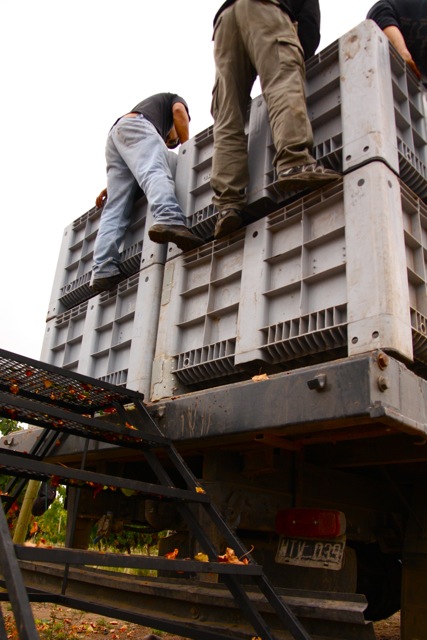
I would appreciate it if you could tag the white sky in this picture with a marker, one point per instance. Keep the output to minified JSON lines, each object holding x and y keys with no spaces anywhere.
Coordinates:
{"x":69,"y":69}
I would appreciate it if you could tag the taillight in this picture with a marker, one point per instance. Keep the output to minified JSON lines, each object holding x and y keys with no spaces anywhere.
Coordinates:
{"x":310,"y":523}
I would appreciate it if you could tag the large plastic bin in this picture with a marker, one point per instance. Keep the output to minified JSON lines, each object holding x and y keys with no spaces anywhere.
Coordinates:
{"x":112,"y":336}
{"x":339,"y":272}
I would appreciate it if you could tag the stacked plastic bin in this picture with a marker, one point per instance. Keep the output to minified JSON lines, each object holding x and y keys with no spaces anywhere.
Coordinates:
{"x":337,"y":272}
{"x":104,"y":335}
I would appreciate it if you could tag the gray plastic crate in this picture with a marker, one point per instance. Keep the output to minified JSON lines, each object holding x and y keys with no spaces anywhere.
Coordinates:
{"x":112,"y":336}
{"x":331,"y":276}
{"x":384,"y":111}
{"x":364,"y":105}
{"x":415,"y":232}
{"x":74,"y":268}
{"x":199,"y":314}
{"x":193,"y":172}
{"x":339,"y":272}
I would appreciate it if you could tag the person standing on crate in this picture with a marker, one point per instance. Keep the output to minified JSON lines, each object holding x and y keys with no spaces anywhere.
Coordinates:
{"x":405,"y":24}
{"x":137,"y":158}
{"x":271,"y":39}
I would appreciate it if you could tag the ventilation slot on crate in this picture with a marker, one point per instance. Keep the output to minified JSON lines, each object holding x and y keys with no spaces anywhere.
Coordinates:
{"x":419,"y":335}
{"x":118,"y":378}
{"x":131,"y":259}
{"x":202,"y":223}
{"x":412,"y":171}
{"x":206,"y":363}
{"x":76,"y":291}
{"x":307,"y":336}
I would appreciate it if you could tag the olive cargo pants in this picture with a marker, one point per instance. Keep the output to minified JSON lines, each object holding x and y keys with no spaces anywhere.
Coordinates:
{"x":255,"y":37}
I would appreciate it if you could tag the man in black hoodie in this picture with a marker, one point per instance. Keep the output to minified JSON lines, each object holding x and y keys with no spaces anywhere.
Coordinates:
{"x":405,"y":24}
{"x":269,"y":38}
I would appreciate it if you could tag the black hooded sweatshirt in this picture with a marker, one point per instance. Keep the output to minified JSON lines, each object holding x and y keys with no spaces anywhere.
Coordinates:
{"x":410,"y":17}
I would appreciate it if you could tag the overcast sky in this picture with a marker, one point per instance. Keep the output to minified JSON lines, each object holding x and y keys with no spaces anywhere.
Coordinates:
{"x":69,"y":69}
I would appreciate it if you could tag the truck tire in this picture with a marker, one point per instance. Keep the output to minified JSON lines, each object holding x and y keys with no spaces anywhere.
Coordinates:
{"x":379,"y":578}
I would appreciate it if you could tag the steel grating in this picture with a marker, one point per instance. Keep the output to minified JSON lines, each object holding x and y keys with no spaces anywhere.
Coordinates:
{"x":54,"y":385}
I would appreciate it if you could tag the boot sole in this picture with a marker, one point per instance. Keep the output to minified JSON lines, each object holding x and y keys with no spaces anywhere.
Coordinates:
{"x":311,"y":182}
{"x":105,"y":284}
{"x":183,"y":242}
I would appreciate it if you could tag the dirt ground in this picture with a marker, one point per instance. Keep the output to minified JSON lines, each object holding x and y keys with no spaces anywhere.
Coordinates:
{"x":388,"y":629}
{"x":59,"y":623}
{"x":54,"y":622}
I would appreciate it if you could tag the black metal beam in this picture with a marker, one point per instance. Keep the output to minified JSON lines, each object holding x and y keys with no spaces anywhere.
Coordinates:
{"x":329,"y":615}
{"x":82,"y":557}
{"x":35,"y":412}
{"x":16,"y":464}
{"x":15,"y":584}
{"x":35,"y":378}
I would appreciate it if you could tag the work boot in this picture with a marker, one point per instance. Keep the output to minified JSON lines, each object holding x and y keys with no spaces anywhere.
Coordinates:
{"x":228,"y":220}
{"x":103,"y":284}
{"x":309,"y":176}
{"x":176,"y":233}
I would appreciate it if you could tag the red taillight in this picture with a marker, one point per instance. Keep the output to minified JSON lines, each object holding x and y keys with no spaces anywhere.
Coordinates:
{"x":310,"y":523}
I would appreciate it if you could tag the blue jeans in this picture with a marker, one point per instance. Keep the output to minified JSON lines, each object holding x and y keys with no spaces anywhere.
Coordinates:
{"x":136,"y":156}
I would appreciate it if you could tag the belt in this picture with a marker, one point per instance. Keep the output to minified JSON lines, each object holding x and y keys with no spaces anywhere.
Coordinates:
{"x":132,"y":114}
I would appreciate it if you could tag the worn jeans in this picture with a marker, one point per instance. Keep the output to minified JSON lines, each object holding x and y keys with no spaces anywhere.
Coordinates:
{"x":256,"y":38}
{"x":136,"y":156}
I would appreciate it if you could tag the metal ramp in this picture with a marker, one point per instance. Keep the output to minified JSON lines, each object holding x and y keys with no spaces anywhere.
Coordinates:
{"x":67,"y":403}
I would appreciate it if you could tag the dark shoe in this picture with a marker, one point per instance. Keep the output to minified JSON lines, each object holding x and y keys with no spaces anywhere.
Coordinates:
{"x":308,"y":176}
{"x":103,"y":284}
{"x":228,"y":220}
{"x":176,"y":233}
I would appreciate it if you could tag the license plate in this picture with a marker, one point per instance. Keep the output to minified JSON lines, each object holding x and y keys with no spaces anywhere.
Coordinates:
{"x":320,"y":554}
